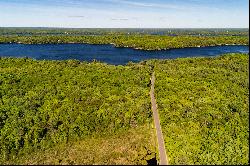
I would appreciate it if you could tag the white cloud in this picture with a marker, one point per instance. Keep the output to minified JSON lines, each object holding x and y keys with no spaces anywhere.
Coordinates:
{"x":76,"y":16}
{"x":165,"y":5}
{"x":143,"y":4}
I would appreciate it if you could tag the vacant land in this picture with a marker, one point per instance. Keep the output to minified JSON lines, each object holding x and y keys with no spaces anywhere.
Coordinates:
{"x":71,"y":112}
{"x":135,"y":146}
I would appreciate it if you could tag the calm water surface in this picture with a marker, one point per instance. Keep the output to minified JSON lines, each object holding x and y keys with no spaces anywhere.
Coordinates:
{"x":109,"y":53}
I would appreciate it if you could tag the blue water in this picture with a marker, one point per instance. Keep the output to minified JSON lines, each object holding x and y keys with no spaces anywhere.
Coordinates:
{"x":109,"y":53}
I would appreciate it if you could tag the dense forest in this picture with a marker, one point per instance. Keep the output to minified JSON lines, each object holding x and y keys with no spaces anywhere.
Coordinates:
{"x":203,"y":106}
{"x":46,"y":103}
{"x":53,"y":111}
{"x":144,"y":42}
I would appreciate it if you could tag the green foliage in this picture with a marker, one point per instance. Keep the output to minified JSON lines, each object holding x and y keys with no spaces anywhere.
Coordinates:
{"x":43,"y":103}
{"x":203,"y":104}
{"x":132,"y":147}
{"x":144,"y":42}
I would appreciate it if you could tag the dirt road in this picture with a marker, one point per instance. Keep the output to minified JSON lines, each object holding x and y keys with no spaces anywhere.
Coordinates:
{"x":160,"y":139}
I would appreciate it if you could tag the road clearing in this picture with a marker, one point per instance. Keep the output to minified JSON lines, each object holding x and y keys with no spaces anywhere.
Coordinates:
{"x":160,"y":139}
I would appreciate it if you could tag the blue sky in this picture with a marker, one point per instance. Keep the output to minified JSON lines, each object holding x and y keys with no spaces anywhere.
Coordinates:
{"x":125,"y":13}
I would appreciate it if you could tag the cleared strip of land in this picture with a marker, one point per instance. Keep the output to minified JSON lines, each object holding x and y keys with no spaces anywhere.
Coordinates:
{"x":160,"y":139}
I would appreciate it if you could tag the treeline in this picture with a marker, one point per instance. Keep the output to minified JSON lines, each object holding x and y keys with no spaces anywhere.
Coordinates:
{"x":25,"y":31}
{"x":204,"y":109}
{"x":44,"y":103}
{"x":144,"y":42}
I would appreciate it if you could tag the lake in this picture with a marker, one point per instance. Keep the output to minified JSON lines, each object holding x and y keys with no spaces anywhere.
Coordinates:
{"x":109,"y":53}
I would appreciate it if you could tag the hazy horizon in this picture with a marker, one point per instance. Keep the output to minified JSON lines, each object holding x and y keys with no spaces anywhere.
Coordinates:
{"x":117,"y":28}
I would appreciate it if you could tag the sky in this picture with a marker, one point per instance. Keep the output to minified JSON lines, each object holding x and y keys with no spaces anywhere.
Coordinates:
{"x":125,"y":13}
